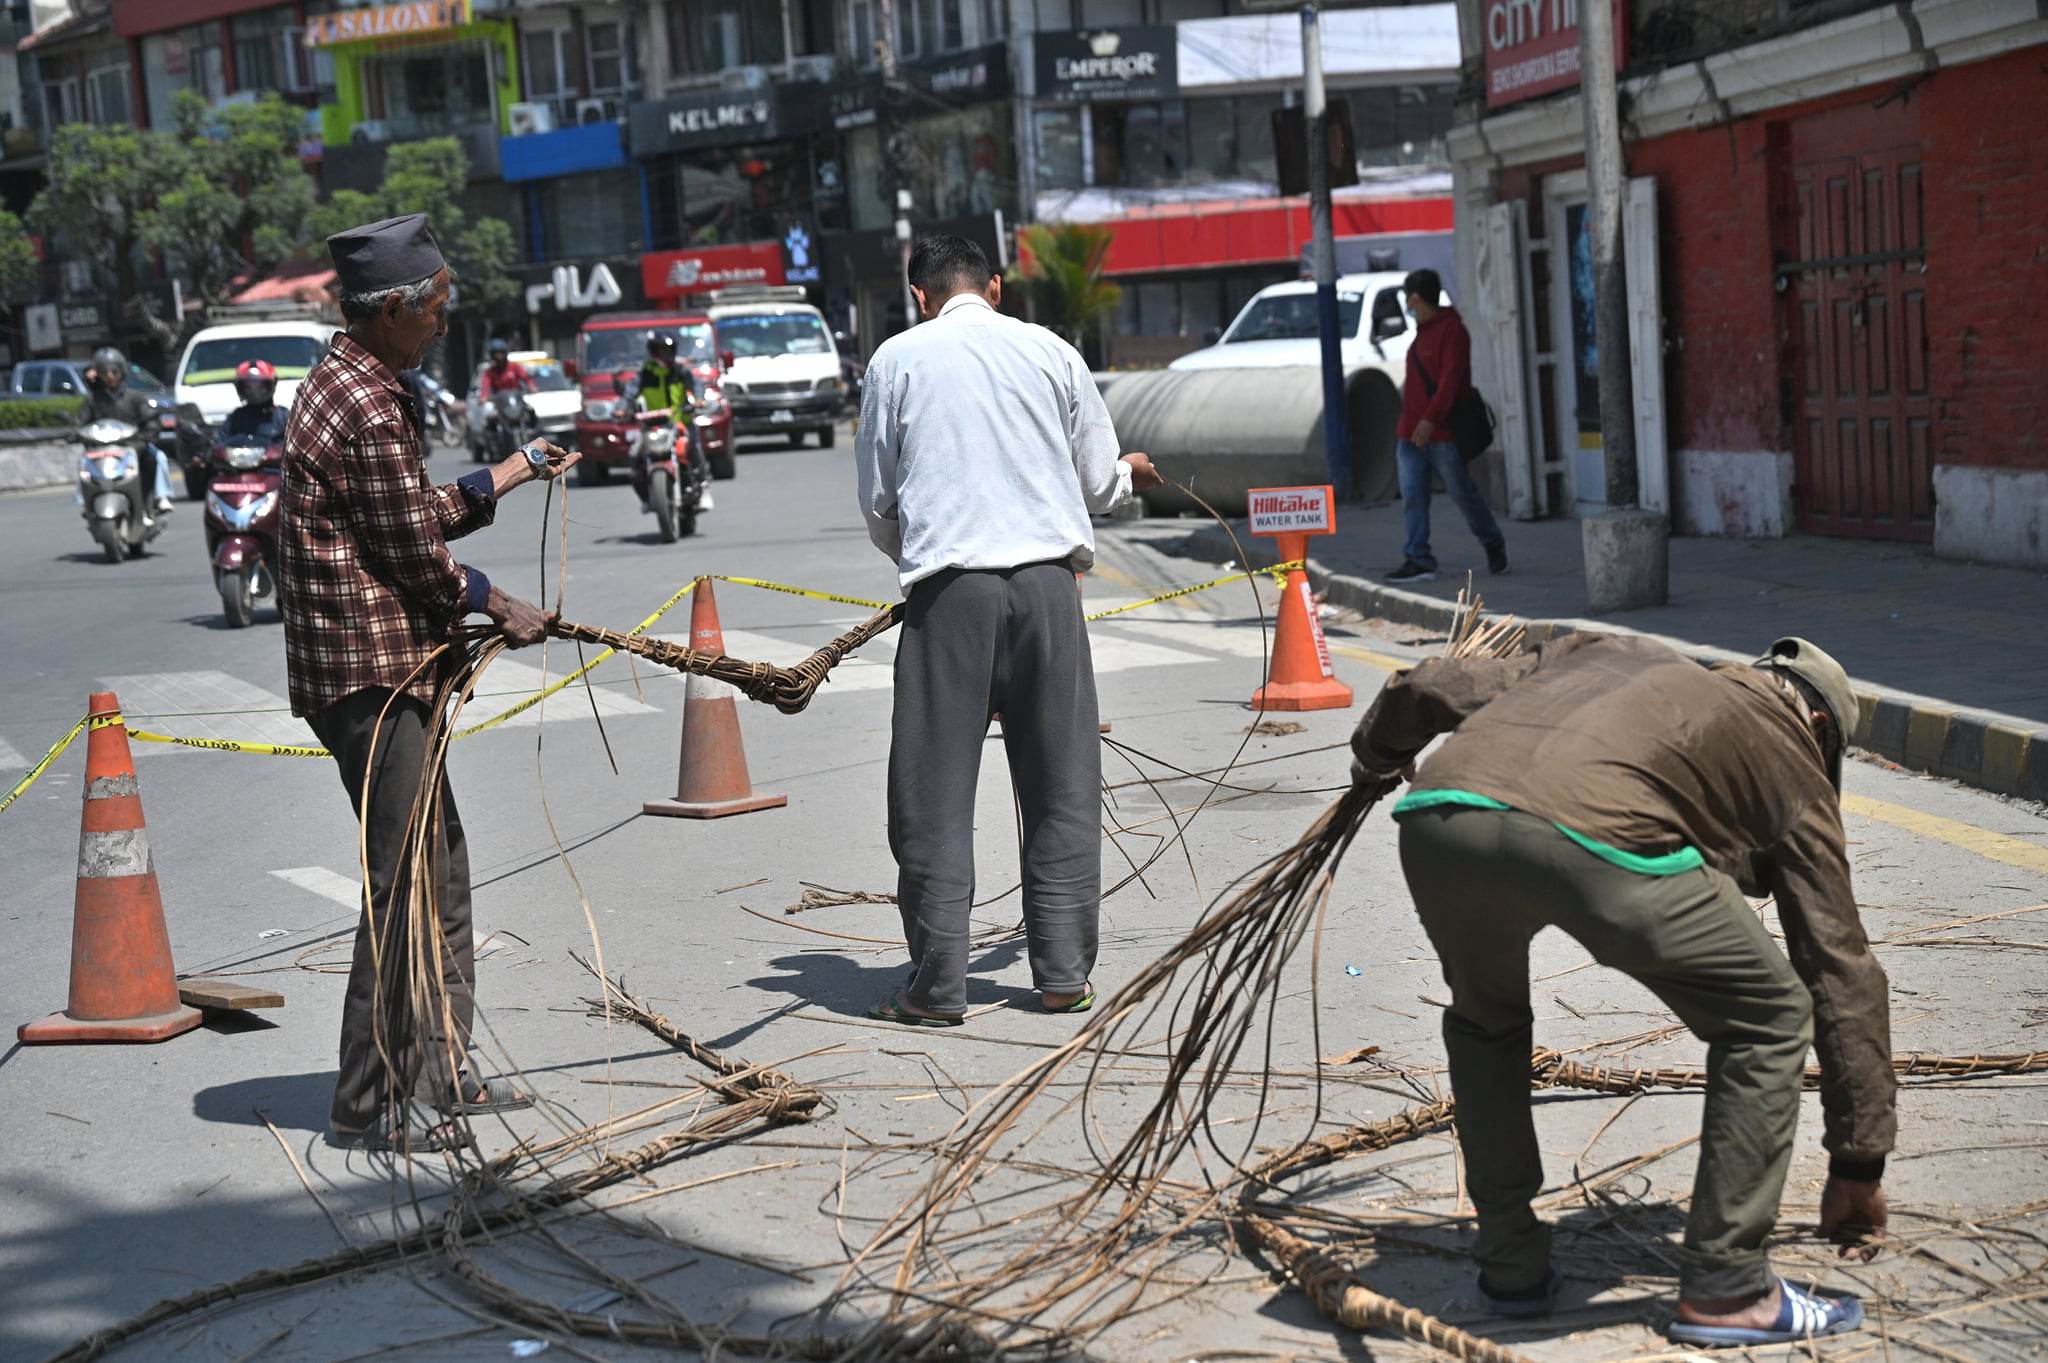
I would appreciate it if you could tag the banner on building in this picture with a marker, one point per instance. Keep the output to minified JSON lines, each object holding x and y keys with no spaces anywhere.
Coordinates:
{"x":714,"y":119}
{"x":40,"y":321}
{"x":1532,"y":47}
{"x":385,"y":21}
{"x":677,"y":274}
{"x":1107,"y":64}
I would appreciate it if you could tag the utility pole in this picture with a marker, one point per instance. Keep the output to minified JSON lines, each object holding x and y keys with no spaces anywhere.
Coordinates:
{"x":885,"y":53}
{"x":1627,"y":550}
{"x":1603,"y":220}
{"x":1336,"y":435}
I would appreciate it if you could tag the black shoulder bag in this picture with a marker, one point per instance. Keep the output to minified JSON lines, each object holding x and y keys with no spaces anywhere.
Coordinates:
{"x":1470,"y":420}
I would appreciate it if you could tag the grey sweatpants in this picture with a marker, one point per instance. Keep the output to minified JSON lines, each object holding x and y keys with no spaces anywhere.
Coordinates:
{"x":1487,"y":881}
{"x":975,"y":642}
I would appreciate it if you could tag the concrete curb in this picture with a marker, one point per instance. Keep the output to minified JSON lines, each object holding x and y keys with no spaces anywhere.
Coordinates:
{"x":1998,"y":753}
{"x":31,"y":466}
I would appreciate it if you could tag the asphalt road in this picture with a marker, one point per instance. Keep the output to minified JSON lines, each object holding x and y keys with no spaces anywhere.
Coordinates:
{"x":132,"y":1173}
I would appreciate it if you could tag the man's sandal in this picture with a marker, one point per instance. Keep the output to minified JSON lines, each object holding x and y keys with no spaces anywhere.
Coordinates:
{"x":479,"y":1097}
{"x":1079,"y":1005}
{"x":1801,"y":1315}
{"x":891,"y":1009}
{"x":407,"y":1131}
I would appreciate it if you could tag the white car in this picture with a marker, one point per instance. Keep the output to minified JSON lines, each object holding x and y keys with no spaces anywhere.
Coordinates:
{"x":554,"y":399}
{"x":206,"y":371}
{"x":781,"y":365}
{"x":1278,"y":328}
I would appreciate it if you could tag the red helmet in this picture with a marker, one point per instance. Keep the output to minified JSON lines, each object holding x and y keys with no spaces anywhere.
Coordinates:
{"x":256,"y":382}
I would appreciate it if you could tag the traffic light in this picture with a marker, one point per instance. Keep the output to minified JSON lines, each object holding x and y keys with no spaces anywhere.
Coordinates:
{"x":1290,"y":146}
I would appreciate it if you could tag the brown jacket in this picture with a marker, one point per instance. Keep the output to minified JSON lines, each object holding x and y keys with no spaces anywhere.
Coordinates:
{"x":1634,"y":745}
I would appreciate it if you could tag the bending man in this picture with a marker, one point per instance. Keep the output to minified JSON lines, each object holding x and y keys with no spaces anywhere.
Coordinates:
{"x":1609,"y":787}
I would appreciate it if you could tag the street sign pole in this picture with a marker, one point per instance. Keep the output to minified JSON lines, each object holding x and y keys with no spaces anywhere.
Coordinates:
{"x":1336,"y":436}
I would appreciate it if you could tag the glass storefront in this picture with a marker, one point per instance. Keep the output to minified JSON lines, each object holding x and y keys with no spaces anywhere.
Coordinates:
{"x":430,"y":92}
{"x":592,"y":214}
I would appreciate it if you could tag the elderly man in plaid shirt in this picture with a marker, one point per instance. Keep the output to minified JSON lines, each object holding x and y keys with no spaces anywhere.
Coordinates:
{"x":370,"y":592}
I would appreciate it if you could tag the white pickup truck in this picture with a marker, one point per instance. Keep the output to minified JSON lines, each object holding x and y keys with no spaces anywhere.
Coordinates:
{"x":1278,"y":328}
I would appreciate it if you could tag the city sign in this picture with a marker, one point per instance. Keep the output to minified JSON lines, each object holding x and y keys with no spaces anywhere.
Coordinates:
{"x":385,"y":21}
{"x":1532,"y":47}
{"x":567,"y":288}
{"x":676,"y":274}
{"x":719,"y":118}
{"x":1107,"y":64}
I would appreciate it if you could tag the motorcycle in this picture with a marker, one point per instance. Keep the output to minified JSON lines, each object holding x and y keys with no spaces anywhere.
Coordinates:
{"x":447,"y":417}
{"x":509,"y":422}
{"x":666,"y":477}
{"x":242,"y":516}
{"x":119,"y":511}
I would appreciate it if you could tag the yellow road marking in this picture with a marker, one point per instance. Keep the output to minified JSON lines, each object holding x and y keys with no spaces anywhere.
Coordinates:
{"x":1985,"y":843}
{"x":1382,"y":661}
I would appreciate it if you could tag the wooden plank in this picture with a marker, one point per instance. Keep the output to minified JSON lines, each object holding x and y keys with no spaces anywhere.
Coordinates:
{"x":227,"y":994}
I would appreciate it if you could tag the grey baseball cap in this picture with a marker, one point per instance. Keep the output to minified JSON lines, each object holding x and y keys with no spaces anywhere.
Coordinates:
{"x":1812,"y":665}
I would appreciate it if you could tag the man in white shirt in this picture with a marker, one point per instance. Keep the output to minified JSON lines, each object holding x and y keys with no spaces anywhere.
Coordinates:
{"x":984,"y":448}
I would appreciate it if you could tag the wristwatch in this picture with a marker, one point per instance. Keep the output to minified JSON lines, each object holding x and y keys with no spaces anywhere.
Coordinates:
{"x":536,"y":458}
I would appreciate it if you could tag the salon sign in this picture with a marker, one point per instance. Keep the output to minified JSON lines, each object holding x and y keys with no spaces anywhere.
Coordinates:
{"x":385,"y":21}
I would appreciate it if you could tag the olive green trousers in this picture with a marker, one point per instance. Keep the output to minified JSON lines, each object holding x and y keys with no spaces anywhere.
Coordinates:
{"x":1485,"y":882}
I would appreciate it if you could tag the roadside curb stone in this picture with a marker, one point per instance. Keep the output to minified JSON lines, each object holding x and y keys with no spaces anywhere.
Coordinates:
{"x":1990,"y":752}
{"x":32,"y":466}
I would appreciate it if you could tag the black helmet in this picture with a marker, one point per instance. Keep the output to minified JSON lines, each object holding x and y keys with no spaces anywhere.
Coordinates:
{"x":111,"y":366}
{"x":499,"y":348}
{"x":661,"y":345}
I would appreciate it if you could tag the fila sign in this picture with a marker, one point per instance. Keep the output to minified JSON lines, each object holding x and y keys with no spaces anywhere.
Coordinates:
{"x":567,"y":289}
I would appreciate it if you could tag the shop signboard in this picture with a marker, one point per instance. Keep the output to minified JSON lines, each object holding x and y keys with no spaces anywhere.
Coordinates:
{"x":800,"y":254}
{"x":44,"y":334}
{"x":714,"y":119}
{"x":961,"y":77}
{"x":77,"y":317}
{"x":677,"y":274}
{"x":571,"y":288}
{"x":923,"y":88}
{"x":1532,"y":47}
{"x":385,"y":21}
{"x":1107,"y":64}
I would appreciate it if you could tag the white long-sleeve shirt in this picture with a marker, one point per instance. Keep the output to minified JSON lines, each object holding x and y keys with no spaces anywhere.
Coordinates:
{"x":983,"y":444}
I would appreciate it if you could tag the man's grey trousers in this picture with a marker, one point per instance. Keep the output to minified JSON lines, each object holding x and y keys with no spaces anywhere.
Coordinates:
{"x":977,"y":642}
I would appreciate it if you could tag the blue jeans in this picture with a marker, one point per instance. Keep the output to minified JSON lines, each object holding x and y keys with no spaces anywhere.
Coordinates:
{"x":1415,"y":462}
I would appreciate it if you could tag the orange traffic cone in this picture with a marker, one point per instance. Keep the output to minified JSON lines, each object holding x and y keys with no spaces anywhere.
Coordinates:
{"x":1300,"y":677}
{"x":712,"y":781}
{"x":123,"y":987}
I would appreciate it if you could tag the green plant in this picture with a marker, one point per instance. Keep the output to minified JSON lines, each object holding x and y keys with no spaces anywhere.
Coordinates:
{"x":23,"y":414}
{"x":235,"y":198}
{"x":99,"y":185}
{"x":1063,"y":266}
{"x":18,"y":266}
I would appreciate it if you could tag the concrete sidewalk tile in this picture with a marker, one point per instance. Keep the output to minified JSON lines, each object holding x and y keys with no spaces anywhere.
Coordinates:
{"x":2005,"y":752}
{"x":1926,"y":732}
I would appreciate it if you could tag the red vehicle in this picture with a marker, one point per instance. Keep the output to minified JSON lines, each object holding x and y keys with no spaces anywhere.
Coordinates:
{"x":245,"y":484}
{"x":609,"y":352}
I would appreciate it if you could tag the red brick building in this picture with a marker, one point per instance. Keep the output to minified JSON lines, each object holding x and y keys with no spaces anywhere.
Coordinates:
{"x":1837,"y":229}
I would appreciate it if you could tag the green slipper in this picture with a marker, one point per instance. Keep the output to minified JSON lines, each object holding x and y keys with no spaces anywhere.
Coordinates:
{"x":1080,"y":1005}
{"x":891,"y":1009}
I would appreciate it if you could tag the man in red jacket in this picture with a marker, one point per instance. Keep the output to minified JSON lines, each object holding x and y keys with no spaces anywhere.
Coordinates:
{"x":1439,"y":371}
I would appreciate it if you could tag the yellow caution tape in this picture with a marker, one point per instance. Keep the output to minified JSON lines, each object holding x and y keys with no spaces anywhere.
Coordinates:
{"x":803,"y":591}
{"x":39,"y":768}
{"x":232,"y":745}
{"x":1277,"y":571}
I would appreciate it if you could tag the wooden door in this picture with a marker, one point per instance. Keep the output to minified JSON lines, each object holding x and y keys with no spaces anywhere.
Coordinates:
{"x":1854,"y":278}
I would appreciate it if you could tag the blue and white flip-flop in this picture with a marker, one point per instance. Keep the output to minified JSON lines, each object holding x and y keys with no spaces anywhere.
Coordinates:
{"x":1527,"y":1304}
{"x":1801,"y":1315}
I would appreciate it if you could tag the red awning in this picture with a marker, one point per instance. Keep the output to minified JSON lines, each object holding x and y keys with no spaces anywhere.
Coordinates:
{"x":1253,"y":231}
{"x":309,"y":283}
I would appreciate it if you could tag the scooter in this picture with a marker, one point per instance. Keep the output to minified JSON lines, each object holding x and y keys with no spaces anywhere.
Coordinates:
{"x":509,"y":422}
{"x":119,"y":511}
{"x":666,"y":477}
{"x":242,"y":516}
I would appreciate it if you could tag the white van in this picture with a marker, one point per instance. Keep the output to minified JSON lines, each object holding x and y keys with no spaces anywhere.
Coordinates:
{"x":781,"y":367}
{"x":206,"y":372}
{"x":1277,"y":328}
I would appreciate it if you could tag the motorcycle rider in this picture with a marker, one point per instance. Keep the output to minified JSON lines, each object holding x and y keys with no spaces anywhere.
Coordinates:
{"x":259,"y":419}
{"x":662,"y":383}
{"x":501,"y":375}
{"x":108,"y":397}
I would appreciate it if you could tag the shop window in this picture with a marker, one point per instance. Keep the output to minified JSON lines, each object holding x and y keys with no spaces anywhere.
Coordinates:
{"x":1402,"y":125}
{"x":431,"y":92}
{"x":1051,"y":16}
{"x":263,"y":58}
{"x":748,"y":194}
{"x":596,"y":214}
{"x":614,"y":61}
{"x":846,"y":190}
{"x":1109,"y":13}
{"x":187,"y":59}
{"x":1255,"y":137}
{"x":868,"y":206}
{"x":549,"y":66}
{"x":709,"y":36}
{"x":861,"y":18}
{"x":1201,"y":307}
{"x":954,"y":165}
{"x":664,"y":205}
{"x":61,"y":104}
{"x":1140,"y":144}
{"x":106,"y":95}
{"x":1057,"y":133}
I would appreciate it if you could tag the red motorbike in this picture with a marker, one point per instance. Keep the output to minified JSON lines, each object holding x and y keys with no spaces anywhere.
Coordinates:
{"x":245,"y":484}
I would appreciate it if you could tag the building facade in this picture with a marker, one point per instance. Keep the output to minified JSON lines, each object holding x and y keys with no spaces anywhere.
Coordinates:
{"x":1836,"y":232}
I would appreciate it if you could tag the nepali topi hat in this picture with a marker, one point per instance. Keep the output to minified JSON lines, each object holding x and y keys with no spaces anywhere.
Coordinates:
{"x":385,"y":255}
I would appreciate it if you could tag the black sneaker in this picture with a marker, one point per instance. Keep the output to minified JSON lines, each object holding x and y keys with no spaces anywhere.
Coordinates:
{"x":1411,"y":571}
{"x":1497,"y":558}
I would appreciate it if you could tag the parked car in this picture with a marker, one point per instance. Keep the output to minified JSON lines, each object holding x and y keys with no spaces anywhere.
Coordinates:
{"x":184,"y":432}
{"x":554,"y":398}
{"x":1278,"y":328}
{"x":782,"y":369}
{"x":610,"y":349}
{"x":206,"y":372}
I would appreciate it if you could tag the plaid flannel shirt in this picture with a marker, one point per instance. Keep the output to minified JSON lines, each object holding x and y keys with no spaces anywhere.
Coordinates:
{"x":365,"y":579}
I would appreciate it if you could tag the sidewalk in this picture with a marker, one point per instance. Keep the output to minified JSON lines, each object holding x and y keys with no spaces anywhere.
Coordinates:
{"x":1951,"y":658}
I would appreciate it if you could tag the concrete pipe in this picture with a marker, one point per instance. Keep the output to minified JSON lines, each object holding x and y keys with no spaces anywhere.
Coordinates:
{"x":1223,"y":431}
